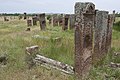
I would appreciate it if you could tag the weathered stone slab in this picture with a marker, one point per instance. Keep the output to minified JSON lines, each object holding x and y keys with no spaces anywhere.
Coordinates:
{"x":25,"y":15}
{"x":30,"y":55}
{"x":50,"y":21}
{"x":29,"y":22}
{"x":42,"y":21}
{"x":55,"y":20}
{"x":84,"y":24}
{"x":61,"y":20}
{"x":72,"y":21}
{"x":20,"y":17}
{"x":65,"y":22}
{"x":109,"y":32}
{"x":5,"y":19}
{"x":34,"y":19}
{"x":100,"y":33}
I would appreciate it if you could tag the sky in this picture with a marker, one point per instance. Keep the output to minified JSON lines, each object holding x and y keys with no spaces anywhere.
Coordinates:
{"x":53,"y":6}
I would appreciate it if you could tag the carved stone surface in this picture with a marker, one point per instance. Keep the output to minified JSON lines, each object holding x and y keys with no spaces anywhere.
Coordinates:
{"x":42,"y":21}
{"x":55,"y":20}
{"x":84,"y":24}
{"x":100,"y":34}
{"x":72,"y":21}
{"x":65,"y":22}
{"x":29,"y":22}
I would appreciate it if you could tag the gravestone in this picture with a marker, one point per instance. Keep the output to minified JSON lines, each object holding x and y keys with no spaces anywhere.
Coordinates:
{"x":20,"y":17}
{"x":29,"y":22}
{"x":109,"y":32}
{"x":61,"y":20}
{"x":55,"y":20}
{"x":84,"y":24}
{"x":42,"y":21}
{"x":100,"y":33}
{"x":5,"y":19}
{"x":25,"y":15}
{"x":65,"y":22}
{"x":72,"y":21}
{"x":50,"y":20}
{"x":34,"y":19}
{"x":114,"y":15}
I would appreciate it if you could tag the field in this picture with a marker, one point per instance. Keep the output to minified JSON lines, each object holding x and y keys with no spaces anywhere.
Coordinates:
{"x":14,"y":39}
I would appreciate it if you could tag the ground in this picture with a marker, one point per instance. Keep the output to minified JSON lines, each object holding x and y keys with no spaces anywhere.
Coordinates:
{"x":14,"y":39}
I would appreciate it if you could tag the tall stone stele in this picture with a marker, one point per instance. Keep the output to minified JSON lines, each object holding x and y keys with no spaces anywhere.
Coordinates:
{"x":72,"y":21}
{"x":84,"y":24}
{"x":65,"y":22}
{"x":55,"y":20}
{"x":34,"y":19}
{"x":100,"y":35}
{"x":60,"y":20}
{"x":42,"y":21}
{"x":29,"y":22}
{"x":25,"y":15}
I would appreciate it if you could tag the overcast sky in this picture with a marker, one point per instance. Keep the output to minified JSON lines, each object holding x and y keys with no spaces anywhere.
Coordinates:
{"x":53,"y":6}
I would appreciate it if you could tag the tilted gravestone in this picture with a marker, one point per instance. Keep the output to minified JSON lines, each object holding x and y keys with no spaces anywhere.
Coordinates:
{"x":34,"y":19}
{"x":72,"y":21}
{"x":55,"y":20}
{"x":84,"y":24}
{"x":65,"y":22}
{"x":42,"y":21}
{"x":29,"y":22}
{"x":100,"y":34}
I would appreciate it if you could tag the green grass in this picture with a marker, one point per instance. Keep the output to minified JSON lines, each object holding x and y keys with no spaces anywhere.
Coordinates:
{"x":14,"y":39}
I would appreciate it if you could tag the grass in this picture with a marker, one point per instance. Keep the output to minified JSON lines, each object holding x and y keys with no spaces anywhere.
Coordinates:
{"x":14,"y":39}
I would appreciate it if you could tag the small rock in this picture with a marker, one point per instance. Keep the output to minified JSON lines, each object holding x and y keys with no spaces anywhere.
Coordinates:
{"x":32,"y":49}
{"x":28,"y":29}
{"x":3,"y":59}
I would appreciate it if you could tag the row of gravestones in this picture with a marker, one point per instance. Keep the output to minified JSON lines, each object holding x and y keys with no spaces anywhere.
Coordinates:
{"x":65,"y":20}
{"x":41,"y":18}
{"x":93,"y":34}
{"x":8,"y":18}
